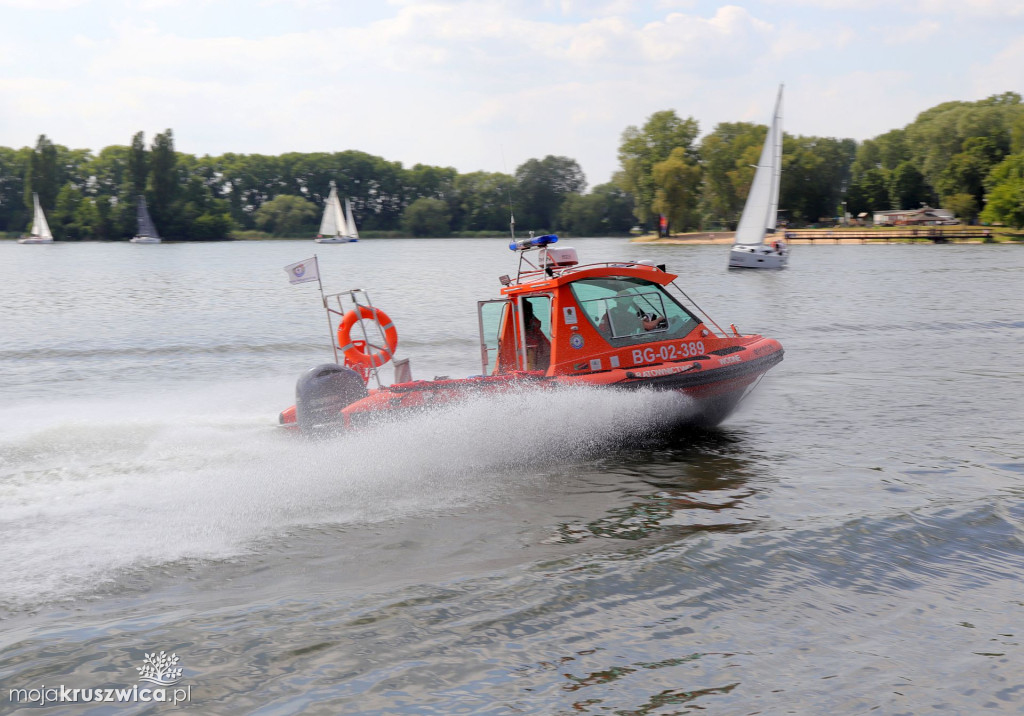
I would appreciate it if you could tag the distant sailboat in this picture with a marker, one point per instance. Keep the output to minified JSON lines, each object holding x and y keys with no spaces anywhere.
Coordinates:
{"x":755,"y":245}
{"x":147,"y":229}
{"x":39,"y":233}
{"x":334,"y":227}
{"x":353,"y":232}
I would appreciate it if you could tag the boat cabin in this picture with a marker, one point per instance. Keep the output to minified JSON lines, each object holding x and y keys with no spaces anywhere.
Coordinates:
{"x":561,"y":318}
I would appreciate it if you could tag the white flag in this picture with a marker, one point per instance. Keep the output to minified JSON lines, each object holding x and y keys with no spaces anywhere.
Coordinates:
{"x":303,"y":271}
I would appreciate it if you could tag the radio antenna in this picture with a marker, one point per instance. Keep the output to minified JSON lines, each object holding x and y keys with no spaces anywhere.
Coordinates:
{"x":508,"y":188}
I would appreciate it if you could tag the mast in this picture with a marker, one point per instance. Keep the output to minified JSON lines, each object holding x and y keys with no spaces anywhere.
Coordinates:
{"x":773,"y":210}
{"x":761,"y":209}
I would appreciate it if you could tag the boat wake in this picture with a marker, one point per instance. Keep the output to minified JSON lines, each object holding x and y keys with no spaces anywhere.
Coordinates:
{"x":96,"y":491}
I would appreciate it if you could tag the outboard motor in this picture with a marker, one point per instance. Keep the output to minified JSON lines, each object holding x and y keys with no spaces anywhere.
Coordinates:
{"x":322,"y":392}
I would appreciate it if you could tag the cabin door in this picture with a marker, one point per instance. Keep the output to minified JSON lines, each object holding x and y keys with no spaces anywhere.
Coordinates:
{"x":535,"y":332}
{"x":496,"y":328}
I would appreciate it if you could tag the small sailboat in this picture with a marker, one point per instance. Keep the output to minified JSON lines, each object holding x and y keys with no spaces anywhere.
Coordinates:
{"x":147,"y":233}
{"x":335,"y":228}
{"x":39,"y":232}
{"x":353,"y":232}
{"x":756,"y":245}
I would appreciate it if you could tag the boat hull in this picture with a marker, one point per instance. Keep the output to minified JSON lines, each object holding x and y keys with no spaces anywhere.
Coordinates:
{"x":759,"y":256}
{"x":334,"y":240}
{"x":35,"y":240}
{"x":713,"y":386}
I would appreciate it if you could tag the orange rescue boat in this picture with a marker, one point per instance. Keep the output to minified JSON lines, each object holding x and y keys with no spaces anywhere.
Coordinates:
{"x":558,"y":323}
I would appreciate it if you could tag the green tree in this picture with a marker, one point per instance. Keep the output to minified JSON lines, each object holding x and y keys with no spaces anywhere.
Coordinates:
{"x":1017,"y":134}
{"x":941,"y":132}
{"x":286,"y":215}
{"x":211,"y":227}
{"x":908,"y":188}
{"x":891,"y":149}
{"x":43,"y":176}
{"x":541,"y":187}
{"x":62,"y":218}
{"x":163,"y":162}
{"x":606,"y":210}
{"x":816,"y":172}
{"x":104,"y":226}
{"x":725,"y":158}
{"x":1004,"y":202}
{"x":87,"y":221}
{"x":483,"y":201}
{"x":640,"y":149}
{"x":964,"y":205}
{"x":138,"y":169}
{"x":108,"y":170}
{"x":677,"y":181}
{"x":967,"y":170}
{"x":14,"y":214}
{"x":433,"y":182}
{"x":427,"y":217}
{"x":122,"y":216}
{"x":869,"y":192}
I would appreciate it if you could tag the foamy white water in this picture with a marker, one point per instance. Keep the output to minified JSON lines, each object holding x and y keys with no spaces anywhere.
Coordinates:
{"x":95,"y":487}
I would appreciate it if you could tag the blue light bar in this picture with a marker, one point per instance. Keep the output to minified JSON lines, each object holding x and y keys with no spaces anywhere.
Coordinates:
{"x":524,"y":244}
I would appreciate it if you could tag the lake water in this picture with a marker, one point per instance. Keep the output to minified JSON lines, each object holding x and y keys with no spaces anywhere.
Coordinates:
{"x":851,"y":540}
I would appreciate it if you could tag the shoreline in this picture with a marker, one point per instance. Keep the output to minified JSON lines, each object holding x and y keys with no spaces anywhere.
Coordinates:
{"x":705,"y":238}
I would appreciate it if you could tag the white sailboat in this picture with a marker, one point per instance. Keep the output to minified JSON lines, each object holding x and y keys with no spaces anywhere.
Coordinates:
{"x":39,"y":233}
{"x":353,"y":232}
{"x":334,"y":227}
{"x":755,"y":245}
{"x":147,"y":233}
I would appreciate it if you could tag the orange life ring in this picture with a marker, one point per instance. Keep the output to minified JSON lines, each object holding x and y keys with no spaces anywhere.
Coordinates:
{"x":353,"y":349}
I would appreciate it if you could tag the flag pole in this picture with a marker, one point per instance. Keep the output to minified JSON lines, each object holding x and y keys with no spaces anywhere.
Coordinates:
{"x":323,"y":299}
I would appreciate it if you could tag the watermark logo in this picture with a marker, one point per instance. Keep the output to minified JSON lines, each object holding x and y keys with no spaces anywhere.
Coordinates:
{"x":160,"y":669}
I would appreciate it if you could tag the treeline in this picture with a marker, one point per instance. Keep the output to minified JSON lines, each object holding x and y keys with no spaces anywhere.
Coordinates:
{"x":964,"y":156}
{"x":967,"y":157}
{"x":90,"y":196}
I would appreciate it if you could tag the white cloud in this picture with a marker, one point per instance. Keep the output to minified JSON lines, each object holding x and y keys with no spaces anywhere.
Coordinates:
{"x":42,"y":5}
{"x":731,"y":33}
{"x":599,"y":8}
{"x":448,"y":83}
{"x":1000,"y":9}
{"x":902,"y":34}
{"x":1003,"y":73}
{"x":979,"y":8}
{"x":29,"y":97}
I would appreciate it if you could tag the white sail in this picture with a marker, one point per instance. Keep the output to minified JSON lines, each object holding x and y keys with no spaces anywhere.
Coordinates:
{"x":761,"y":210}
{"x":39,"y":232}
{"x":333,"y":222}
{"x":353,"y":232}
{"x":39,"y":226}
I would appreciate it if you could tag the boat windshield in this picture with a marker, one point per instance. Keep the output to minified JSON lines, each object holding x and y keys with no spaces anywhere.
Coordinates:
{"x":630,"y":310}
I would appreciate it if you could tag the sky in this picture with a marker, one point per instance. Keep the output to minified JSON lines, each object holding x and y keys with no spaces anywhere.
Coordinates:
{"x":485,"y":85}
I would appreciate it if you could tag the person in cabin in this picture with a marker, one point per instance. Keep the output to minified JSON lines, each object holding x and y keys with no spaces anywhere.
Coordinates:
{"x":538,"y":347}
{"x":627,"y":320}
